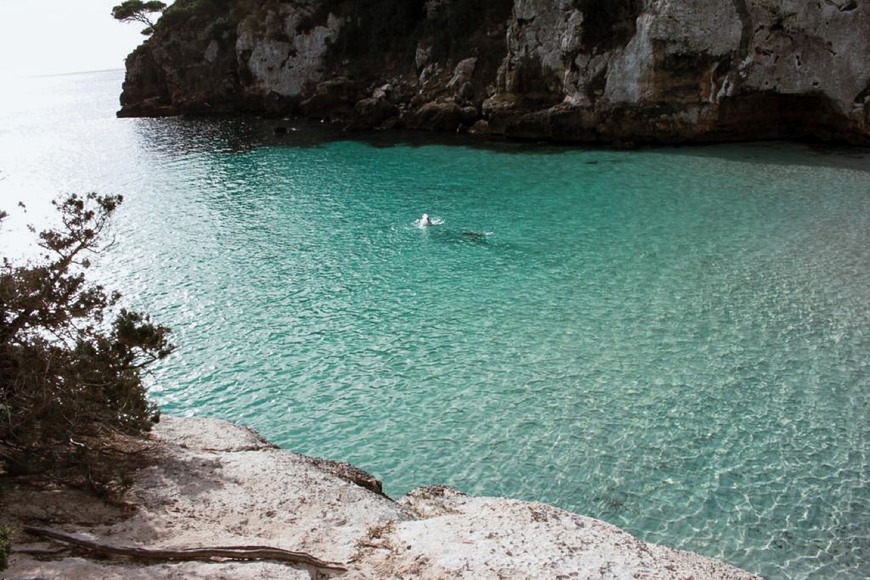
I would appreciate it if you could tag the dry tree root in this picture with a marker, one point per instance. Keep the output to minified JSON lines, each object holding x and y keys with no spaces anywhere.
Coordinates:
{"x":207,"y":553}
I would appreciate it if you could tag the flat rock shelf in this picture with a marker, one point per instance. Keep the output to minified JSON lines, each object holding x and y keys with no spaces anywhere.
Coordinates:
{"x":218,"y":484}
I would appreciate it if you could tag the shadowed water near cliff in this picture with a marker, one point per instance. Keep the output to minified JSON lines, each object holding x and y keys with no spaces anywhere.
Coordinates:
{"x":675,"y":341}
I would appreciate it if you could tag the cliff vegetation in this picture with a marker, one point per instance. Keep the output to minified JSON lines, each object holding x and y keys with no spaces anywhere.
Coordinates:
{"x":70,"y":379}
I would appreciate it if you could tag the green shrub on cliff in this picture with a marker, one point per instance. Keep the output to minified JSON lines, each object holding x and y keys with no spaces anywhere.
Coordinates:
{"x":138,"y":11}
{"x":5,"y":546}
{"x":198,"y":13}
{"x":69,"y":379}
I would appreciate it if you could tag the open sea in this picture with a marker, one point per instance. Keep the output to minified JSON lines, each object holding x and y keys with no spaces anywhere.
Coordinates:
{"x":674,"y":340}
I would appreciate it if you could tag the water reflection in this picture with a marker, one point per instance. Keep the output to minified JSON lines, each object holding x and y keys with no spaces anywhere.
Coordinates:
{"x":229,"y":135}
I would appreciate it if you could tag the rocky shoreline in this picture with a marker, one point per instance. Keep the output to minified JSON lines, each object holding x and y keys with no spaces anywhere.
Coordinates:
{"x":218,"y":484}
{"x":617,"y":72}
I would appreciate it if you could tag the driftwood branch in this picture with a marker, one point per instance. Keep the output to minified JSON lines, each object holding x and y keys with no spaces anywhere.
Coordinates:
{"x":207,"y":553}
{"x":39,"y":551}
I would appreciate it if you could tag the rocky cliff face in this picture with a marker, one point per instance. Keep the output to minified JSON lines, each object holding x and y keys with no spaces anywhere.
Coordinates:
{"x":664,"y":71}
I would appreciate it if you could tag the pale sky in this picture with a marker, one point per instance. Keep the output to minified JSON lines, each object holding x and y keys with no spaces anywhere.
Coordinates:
{"x":39,"y":37}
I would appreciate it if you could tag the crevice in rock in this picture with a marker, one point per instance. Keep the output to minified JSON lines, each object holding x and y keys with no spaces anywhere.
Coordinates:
{"x":349,"y":473}
{"x":746,"y":32}
{"x":843,"y":5}
{"x":608,"y":24}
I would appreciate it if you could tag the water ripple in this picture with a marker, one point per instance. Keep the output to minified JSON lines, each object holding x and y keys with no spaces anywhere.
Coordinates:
{"x":673,"y":340}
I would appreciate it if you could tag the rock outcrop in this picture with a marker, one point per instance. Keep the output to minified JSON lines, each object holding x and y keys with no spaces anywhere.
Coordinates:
{"x":662,"y":71}
{"x":217,"y":484}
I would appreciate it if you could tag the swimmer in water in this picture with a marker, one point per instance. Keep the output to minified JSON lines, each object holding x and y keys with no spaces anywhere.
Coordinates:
{"x":425,"y":221}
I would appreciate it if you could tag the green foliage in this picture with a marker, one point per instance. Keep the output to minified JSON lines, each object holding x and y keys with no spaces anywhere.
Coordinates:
{"x":199,"y":13}
{"x":5,"y":546}
{"x":68,"y":375}
{"x":138,"y":11}
{"x":217,"y":28}
{"x":204,"y":20}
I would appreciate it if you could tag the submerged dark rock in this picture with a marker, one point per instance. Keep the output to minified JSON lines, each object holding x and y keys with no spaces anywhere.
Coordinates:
{"x":579,"y":71}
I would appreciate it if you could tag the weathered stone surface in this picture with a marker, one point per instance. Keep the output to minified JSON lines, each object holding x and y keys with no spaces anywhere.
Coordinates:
{"x":568,"y":70}
{"x":373,"y":113}
{"x":444,"y":117}
{"x":333,"y":99}
{"x":286,"y":67}
{"x":218,"y":484}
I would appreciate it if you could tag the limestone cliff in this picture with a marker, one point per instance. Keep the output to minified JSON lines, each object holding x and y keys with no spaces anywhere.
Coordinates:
{"x":218,"y":484}
{"x":664,"y":71}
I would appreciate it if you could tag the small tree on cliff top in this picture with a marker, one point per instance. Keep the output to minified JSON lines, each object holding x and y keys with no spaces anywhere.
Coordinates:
{"x":69,"y":379}
{"x":138,"y":11}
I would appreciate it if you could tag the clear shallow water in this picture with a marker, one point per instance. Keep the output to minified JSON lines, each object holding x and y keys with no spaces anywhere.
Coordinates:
{"x":675,"y":340}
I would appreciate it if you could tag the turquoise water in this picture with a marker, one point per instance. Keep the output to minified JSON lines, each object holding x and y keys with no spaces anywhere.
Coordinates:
{"x":673,"y":340}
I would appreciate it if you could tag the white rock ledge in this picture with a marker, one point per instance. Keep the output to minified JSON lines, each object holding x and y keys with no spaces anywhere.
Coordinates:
{"x":221,"y":484}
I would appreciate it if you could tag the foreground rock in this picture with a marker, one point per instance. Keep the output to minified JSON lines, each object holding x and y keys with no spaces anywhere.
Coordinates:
{"x":217,"y":484}
{"x":615,"y":71}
